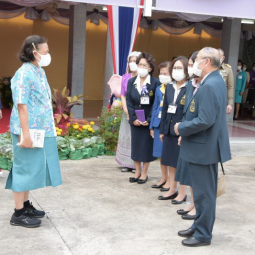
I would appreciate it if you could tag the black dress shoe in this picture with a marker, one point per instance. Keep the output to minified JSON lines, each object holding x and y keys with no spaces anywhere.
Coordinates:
{"x":141,"y":181}
{"x":165,"y":189}
{"x":186,"y":233}
{"x":133,"y":179}
{"x":155,"y":186}
{"x":169,"y":197}
{"x":176,"y":202}
{"x":182,"y":212}
{"x":25,"y":221}
{"x":193,"y":242}
{"x":188,"y":217}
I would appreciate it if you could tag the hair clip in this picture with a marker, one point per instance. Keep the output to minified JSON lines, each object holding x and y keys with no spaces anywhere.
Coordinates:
{"x":34,"y":46}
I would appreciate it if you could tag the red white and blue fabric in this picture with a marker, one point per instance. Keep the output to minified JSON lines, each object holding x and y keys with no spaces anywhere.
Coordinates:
{"x":123,"y":25}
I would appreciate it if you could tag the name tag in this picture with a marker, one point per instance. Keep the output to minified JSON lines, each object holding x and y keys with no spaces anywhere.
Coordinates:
{"x":240,"y":77}
{"x":159,"y":115}
{"x":172,"y":108}
{"x":145,"y":100}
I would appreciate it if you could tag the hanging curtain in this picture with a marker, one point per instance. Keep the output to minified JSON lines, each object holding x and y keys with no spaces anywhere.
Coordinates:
{"x":11,"y":14}
{"x":33,"y":3}
{"x":123,"y":25}
{"x":193,"y":17}
{"x":181,"y":30}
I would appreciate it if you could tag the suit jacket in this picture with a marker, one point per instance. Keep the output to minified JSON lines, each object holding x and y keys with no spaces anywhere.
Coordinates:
{"x":133,"y":99}
{"x":204,"y":130}
{"x":168,"y":120}
{"x":157,"y":108}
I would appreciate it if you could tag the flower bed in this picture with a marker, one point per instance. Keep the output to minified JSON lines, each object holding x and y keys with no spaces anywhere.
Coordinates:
{"x":82,"y":146}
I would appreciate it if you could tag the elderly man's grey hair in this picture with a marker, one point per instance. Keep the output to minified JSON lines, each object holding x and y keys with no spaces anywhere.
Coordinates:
{"x":213,"y":54}
{"x":221,"y":51}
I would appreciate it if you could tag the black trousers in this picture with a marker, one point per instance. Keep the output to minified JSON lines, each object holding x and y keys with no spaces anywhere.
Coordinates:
{"x":204,"y":179}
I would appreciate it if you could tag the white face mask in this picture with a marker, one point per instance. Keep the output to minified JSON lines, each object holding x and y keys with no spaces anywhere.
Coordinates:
{"x":244,"y":69}
{"x":178,"y":75}
{"x":45,"y":59}
{"x":196,"y":70}
{"x":132,"y":66}
{"x":165,"y":79}
{"x":239,"y":68}
{"x":142,"y":72}
{"x":190,"y":71}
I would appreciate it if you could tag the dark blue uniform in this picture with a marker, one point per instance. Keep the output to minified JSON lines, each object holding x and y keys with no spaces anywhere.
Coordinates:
{"x":141,"y":141}
{"x":205,"y":142}
{"x":170,"y":152}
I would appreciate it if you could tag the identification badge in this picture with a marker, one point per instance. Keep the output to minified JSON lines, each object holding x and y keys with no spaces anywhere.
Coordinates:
{"x":159,"y":115}
{"x":240,"y":77}
{"x":145,"y":100}
{"x":172,"y":108}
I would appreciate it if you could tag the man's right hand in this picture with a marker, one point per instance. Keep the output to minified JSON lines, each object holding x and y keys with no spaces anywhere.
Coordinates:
{"x":161,"y":136}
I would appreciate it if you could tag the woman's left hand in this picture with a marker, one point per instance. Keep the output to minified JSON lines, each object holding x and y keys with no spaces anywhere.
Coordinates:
{"x":241,"y":93}
{"x":145,"y":123}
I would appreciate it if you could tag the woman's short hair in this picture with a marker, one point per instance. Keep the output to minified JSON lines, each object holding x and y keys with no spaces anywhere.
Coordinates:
{"x":166,"y":64}
{"x":185,"y":64}
{"x":26,"y":52}
{"x":193,"y":56}
{"x":240,"y":61}
{"x":149,"y":58}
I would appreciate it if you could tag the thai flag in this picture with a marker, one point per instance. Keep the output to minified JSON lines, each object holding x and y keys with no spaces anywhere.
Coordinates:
{"x":123,"y":25}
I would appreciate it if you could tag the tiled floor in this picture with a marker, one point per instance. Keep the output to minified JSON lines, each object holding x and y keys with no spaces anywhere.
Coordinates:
{"x":242,"y":131}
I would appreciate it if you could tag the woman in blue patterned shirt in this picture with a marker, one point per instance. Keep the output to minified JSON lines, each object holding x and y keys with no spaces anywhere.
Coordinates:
{"x":33,"y":168}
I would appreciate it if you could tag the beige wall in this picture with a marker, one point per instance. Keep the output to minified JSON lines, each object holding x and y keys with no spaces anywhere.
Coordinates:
{"x":160,"y":44}
{"x":164,"y":46}
{"x":14,"y":31}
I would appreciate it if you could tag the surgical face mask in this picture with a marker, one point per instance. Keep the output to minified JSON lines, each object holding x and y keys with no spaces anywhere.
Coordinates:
{"x":244,"y":68}
{"x":45,"y":59}
{"x":132,"y":66}
{"x":142,"y":72}
{"x":190,"y":71}
{"x":178,"y":74}
{"x":196,"y":70}
{"x":165,"y":79}
{"x":239,"y":68}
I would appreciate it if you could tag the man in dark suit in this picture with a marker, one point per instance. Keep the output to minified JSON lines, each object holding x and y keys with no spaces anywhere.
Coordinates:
{"x":205,"y":143}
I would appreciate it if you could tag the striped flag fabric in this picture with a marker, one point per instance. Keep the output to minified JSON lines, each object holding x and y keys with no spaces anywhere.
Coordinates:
{"x":123,"y":25}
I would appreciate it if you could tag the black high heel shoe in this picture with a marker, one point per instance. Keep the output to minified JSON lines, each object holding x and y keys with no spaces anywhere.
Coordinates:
{"x":133,"y":179}
{"x":169,"y":197}
{"x":176,"y":202}
{"x":155,"y":186}
{"x":141,"y":181}
{"x":164,"y":189}
{"x":182,"y":212}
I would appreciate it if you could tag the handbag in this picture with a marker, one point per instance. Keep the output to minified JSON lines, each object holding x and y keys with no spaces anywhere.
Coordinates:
{"x":221,"y":183}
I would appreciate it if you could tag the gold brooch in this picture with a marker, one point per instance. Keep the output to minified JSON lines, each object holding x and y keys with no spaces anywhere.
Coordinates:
{"x":151,"y":93}
{"x":192,"y":106}
{"x":182,"y":102}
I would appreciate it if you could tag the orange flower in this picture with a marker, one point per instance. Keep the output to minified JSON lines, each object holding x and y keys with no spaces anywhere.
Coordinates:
{"x":80,"y":129}
{"x":68,"y":124}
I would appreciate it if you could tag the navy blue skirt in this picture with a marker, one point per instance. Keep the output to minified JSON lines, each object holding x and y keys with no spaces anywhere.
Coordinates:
{"x":171,"y":150}
{"x":141,"y":144}
{"x":182,"y":174}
